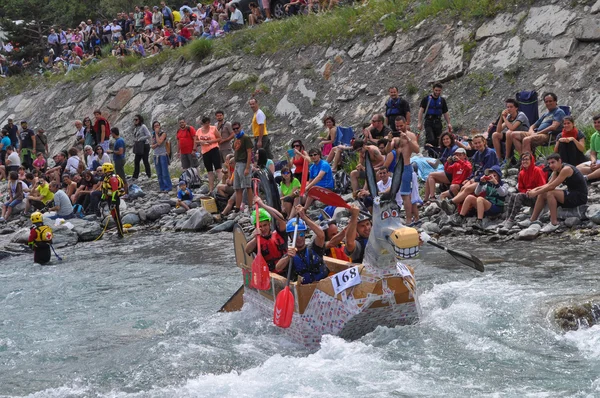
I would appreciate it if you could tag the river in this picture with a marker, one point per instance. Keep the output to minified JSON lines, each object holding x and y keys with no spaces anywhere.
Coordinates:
{"x":137,"y":318}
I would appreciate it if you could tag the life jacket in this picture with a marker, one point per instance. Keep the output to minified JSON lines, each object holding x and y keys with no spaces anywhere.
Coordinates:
{"x":272,"y":249}
{"x":435,"y":106}
{"x":112,"y":183}
{"x":363,"y":245}
{"x":106,"y":127}
{"x":338,"y":252}
{"x":309,"y":265}
{"x":393,"y":107}
{"x":44,"y":234}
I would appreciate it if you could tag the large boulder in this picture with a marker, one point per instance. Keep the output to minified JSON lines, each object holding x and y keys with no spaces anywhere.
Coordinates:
{"x":21,"y":236}
{"x":157,"y":211}
{"x":86,"y":231}
{"x":579,"y":212}
{"x":199,"y":220}
{"x":130,"y":218}
{"x":593,"y":213}
{"x":530,"y":233}
{"x":63,"y":236}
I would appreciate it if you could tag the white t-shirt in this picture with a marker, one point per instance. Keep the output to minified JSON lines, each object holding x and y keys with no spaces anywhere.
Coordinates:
{"x":72,"y":165}
{"x":381,"y":187}
{"x":260,"y":117}
{"x":14,"y":159}
{"x":237,"y":17}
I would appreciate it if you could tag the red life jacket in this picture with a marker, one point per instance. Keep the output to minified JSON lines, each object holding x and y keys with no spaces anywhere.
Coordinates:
{"x":272,"y":249}
{"x":338,"y":252}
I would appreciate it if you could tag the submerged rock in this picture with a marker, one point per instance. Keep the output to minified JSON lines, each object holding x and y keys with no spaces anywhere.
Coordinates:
{"x":199,"y":220}
{"x":575,"y":316}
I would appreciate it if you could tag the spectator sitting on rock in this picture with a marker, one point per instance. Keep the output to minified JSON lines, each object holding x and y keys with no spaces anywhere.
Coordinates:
{"x":492,"y":204}
{"x":40,"y":197}
{"x":377,"y":160}
{"x":575,"y":195}
{"x":296,"y":162}
{"x":591,"y":169}
{"x":290,"y":190}
{"x":441,"y":177}
{"x":39,"y":163}
{"x":483,"y":160}
{"x":570,"y":143}
{"x":15,"y":195}
{"x":98,"y":158}
{"x":73,"y":162}
{"x":70,"y":186}
{"x":376,"y":130}
{"x":512,"y":120}
{"x":55,"y":173}
{"x":327,"y":141}
{"x":550,"y":123}
{"x":319,"y":173}
{"x":86,"y":186}
{"x":255,"y":16}
{"x":184,"y":196}
{"x":236,"y":21}
{"x":385,"y":183}
{"x":530,"y":177}
{"x":457,"y":170}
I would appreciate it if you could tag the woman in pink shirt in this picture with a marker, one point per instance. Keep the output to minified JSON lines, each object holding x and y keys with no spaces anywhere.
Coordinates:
{"x":208,"y":138}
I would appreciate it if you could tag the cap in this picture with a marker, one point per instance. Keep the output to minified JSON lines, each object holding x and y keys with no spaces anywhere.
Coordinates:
{"x":461,"y":150}
{"x":182,"y":183}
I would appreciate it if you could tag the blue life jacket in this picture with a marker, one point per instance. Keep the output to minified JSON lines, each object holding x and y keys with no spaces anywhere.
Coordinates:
{"x":435,"y":106}
{"x":392,"y":165}
{"x":392,"y":107}
{"x":310,"y":266}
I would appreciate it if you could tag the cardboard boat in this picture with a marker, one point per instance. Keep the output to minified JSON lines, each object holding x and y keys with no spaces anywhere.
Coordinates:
{"x":383,"y":297}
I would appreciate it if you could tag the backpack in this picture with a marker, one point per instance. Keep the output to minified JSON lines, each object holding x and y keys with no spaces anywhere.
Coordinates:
{"x":191,"y":178}
{"x":107,"y":126}
{"x":341,"y":182}
{"x":44,"y":234}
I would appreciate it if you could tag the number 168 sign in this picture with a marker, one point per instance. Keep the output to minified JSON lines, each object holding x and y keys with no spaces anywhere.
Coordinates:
{"x":345,"y":279}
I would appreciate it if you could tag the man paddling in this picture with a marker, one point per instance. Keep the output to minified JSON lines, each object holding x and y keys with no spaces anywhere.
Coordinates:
{"x":272,"y":243}
{"x":357,"y":234}
{"x":307,"y":262}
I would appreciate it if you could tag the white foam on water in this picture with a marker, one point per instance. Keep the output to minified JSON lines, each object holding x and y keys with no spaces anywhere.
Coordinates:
{"x":587,"y":341}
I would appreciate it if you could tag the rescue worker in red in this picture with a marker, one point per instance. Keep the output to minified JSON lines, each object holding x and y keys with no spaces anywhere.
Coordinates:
{"x":40,"y":239}
{"x":112,"y":189}
{"x":273,"y":243}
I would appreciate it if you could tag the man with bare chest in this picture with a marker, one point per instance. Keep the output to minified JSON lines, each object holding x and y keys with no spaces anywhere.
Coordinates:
{"x":406,"y":144}
{"x":377,"y":160}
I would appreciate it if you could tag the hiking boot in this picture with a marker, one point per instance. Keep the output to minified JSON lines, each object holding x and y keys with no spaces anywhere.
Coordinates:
{"x":448,"y":207}
{"x":549,"y":228}
{"x":457,"y":220}
{"x":508,"y":224}
{"x":478,"y":224}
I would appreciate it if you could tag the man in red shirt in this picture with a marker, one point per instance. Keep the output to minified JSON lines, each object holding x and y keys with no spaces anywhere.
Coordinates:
{"x":186,"y":140}
{"x":183,"y":35}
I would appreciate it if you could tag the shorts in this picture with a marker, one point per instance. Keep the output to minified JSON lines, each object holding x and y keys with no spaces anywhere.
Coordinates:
{"x":288,"y":199}
{"x":36,"y":204}
{"x":539,"y":139}
{"x":449,"y":177}
{"x":186,"y":160}
{"x":573,"y":199}
{"x":241,"y":181}
{"x":120,"y":168}
{"x":212,"y":159}
{"x":494,"y":210}
{"x":406,"y":186}
{"x":266,"y":4}
{"x":13,"y":203}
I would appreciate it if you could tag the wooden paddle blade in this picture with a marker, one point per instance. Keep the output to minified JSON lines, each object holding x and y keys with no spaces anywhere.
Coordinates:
{"x":328,"y":197}
{"x":261,"y":279}
{"x":304,"y":178}
{"x":284,"y":308}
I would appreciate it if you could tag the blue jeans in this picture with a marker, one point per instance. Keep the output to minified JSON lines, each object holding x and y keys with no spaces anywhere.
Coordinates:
{"x":161,"y":164}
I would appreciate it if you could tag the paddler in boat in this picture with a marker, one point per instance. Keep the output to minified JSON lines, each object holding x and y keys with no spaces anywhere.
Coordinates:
{"x":273,"y":245}
{"x":307,"y":261}
{"x":333,"y":239}
{"x":357,"y":234}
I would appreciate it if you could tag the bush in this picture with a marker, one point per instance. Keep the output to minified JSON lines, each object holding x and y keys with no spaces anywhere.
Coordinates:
{"x":200,"y":49}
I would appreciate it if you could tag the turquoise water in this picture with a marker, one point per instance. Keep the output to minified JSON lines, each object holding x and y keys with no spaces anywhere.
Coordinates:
{"x":119,"y":321}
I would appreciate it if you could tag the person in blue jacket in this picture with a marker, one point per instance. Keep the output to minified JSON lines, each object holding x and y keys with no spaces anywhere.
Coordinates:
{"x":307,"y":260}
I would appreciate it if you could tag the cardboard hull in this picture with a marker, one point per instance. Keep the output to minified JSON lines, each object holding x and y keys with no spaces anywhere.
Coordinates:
{"x":377,"y":301}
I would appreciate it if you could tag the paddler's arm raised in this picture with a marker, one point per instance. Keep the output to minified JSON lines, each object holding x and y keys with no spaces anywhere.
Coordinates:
{"x":273,"y":212}
{"x":319,"y":234}
{"x":351,"y":232}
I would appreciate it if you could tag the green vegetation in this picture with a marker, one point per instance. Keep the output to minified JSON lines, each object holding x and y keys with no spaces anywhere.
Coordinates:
{"x":482,"y":81}
{"x":243,"y":84}
{"x":411,"y":88}
{"x":343,"y":23}
{"x":468,"y":48}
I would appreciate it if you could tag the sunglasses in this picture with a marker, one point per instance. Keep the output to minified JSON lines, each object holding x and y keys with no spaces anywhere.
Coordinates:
{"x":236,"y":128}
{"x":285,"y":173}
{"x":296,"y":146}
{"x":301,"y":234}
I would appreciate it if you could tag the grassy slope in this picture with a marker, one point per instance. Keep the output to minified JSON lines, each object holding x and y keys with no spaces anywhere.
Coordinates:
{"x":363,"y":20}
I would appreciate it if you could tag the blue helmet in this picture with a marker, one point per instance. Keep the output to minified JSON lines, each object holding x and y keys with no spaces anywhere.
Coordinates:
{"x":291,"y":225}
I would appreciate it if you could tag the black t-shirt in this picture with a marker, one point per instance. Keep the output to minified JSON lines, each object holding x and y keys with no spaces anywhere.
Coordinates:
{"x":26,"y":138}
{"x":377,"y":134}
{"x":88,"y":184}
{"x":13,"y":134}
{"x":99,"y":131}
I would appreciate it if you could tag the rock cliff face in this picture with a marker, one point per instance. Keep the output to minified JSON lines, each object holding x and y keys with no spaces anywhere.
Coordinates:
{"x":552,"y":47}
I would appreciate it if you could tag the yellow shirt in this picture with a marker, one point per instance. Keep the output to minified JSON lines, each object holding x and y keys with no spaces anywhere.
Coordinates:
{"x":255,"y":124}
{"x":176,"y":16}
{"x":47,"y":194}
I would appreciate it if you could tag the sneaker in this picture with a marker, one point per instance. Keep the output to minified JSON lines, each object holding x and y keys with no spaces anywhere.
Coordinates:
{"x":267,"y":20}
{"x":2,"y":219}
{"x":549,"y":228}
{"x":457,"y":220}
{"x":478,"y":224}
{"x":508,"y":224}
{"x":448,"y":206}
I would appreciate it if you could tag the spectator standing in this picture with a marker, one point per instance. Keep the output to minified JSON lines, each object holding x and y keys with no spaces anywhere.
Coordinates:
{"x":102,"y":130}
{"x":41,"y":142}
{"x":4,"y":143}
{"x":13,"y":133}
{"x":242,"y":147}
{"x":27,"y":143}
{"x":227,"y":135}
{"x":141,"y":146}
{"x":161,"y":157}
{"x":119,"y":156}
{"x":167,"y":15}
{"x":259,"y":128}
{"x":431,"y":110}
{"x":79,"y":134}
{"x":185,"y":138}
{"x":88,"y":133}
{"x":396,"y":106}
{"x":208,"y":137}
